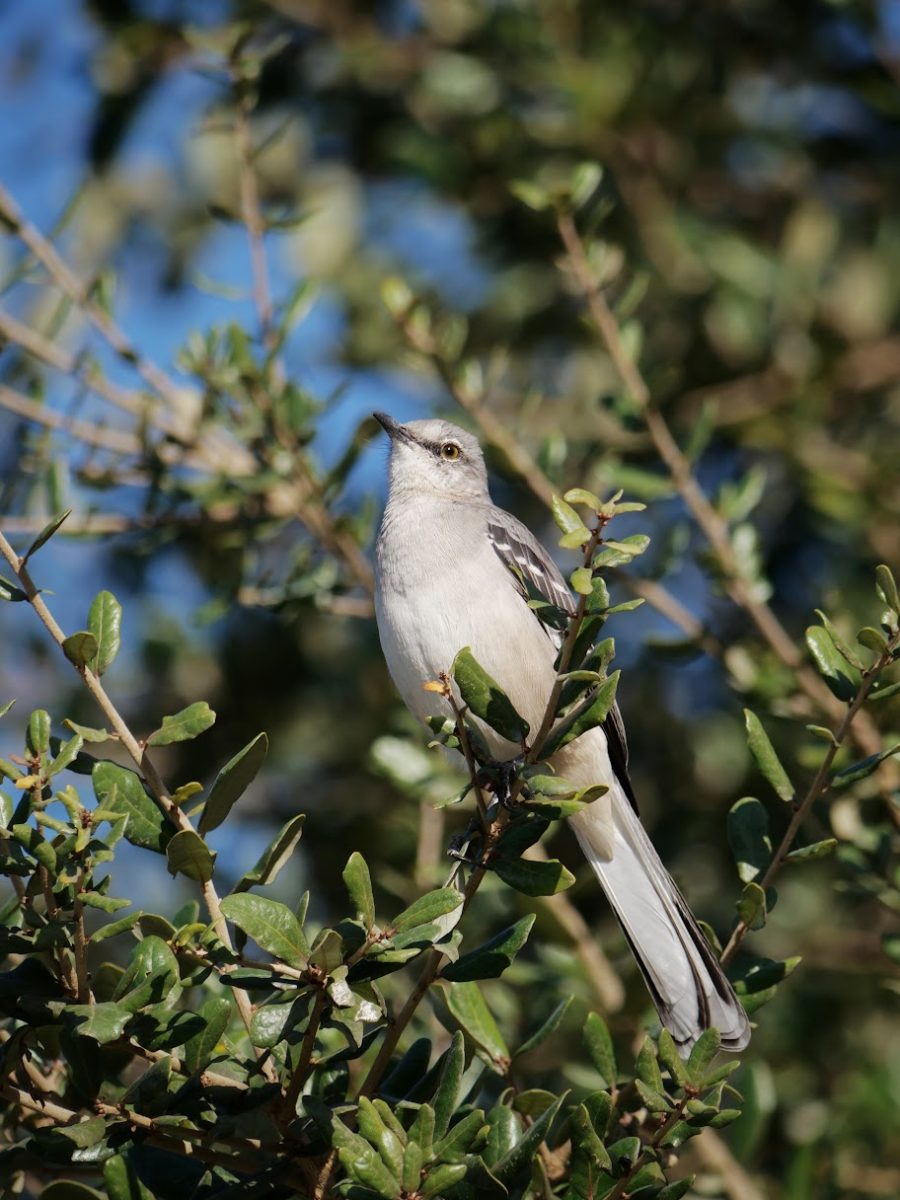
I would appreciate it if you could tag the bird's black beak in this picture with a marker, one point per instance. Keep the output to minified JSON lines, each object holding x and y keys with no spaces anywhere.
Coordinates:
{"x":392,"y":428}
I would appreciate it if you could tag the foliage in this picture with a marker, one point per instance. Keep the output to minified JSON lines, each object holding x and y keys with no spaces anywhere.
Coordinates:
{"x":243,"y":1024}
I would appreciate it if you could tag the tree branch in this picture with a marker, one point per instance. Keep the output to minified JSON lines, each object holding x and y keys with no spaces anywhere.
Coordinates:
{"x":142,"y":761}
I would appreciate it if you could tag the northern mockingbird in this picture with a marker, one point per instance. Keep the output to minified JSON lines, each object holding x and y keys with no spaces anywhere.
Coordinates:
{"x":449,"y":570}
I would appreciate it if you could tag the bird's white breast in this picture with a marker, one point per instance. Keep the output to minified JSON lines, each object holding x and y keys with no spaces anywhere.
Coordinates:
{"x":441,"y":586}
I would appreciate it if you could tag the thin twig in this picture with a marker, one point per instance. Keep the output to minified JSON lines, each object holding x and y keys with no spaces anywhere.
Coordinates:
{"x":713,"y":526}
{"x":301,"y":1070}
{"x":138,"y":404}
{"x":817,"y":788}
{"x":69,"y":283}
{"x":143,"y":762}
{"x":102,"y":437}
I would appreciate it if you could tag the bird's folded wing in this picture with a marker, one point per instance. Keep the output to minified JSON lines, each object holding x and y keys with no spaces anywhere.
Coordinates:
{"x":529,"y":564}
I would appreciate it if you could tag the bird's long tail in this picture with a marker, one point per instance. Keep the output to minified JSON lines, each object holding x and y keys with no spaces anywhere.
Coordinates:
{"x":686,"y":983}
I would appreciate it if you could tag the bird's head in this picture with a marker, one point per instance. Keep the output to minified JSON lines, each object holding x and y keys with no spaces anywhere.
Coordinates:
{"x":435,"y":456}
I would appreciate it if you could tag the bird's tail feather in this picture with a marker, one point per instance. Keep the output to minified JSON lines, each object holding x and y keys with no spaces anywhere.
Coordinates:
{"x":686,"y":983}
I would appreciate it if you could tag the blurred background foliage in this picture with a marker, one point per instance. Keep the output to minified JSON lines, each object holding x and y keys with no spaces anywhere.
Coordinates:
{"x":746,"y":224}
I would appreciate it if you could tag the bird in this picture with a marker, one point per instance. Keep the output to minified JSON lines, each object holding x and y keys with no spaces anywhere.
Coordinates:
{"x":452,"y":570}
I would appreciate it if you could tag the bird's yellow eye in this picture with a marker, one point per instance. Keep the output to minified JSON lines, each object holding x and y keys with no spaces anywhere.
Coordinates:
{"x":450,"y":451}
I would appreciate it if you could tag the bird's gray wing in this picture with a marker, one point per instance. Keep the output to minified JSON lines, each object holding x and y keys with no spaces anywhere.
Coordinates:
{"x":529,"y":564}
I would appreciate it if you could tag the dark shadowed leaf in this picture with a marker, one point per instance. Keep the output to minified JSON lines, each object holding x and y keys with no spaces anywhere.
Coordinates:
{"x":533,"y":878}
{"x":832,"y":666}
{"x":274,"y":856}
{"x":45,"y":535}
{"x":863,"y":768}
{"x":546,"y":1028}
{"x":491,"y":959}
{"x":189,"y":855}
{"x":232,"y":781}
{"x":79,"y":648}
{"x":748,"y":837}
{"x":216,"y":1013}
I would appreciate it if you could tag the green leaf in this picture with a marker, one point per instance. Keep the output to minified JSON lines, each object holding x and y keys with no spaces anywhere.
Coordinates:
{"x":585,"y":1138}
{"x":752,"y":906}
{"x":491,"y":960}
{"x":114,"y":928}
{"x":670,"y":1058}
{"x":647,"y":1067}
{"x":863,"y":768}
{"x":486,"y":698}
{"x":618,"y":554}
{"x":468,"y":1007}
{"x":766,"y":758}
{"x":232,"y":781}
{"x":9,"y":591}
{"x":567,"y":518}
{"x":87,"y":733}
{"x":46,"y":534}
{"x":39,"y":731}
{"x":575,"y":724}
{"x":121,"y":1181}
{"x":380,"y":1135}
{"x":531,"y":877}
{"x":120,"y":791}
{"x":886,"y":587}
{"x":79,"y":648}
{"x":882,"y":693}
{"x":831,"y":665}
{"x":446,"y":1094}
{"x":582,"y":581}
{"x":429,"y":908}
{"x":189,"y":855}
{"x":184,"y":725}
{"x":462,"y":1137}
{"x":422,"y":1129}
{"x":703,"y":1052}
{"x":66,"y":755}
{"x":813,"y":851}
{"x":359,"y":884}
{"x":872,"y":639}
{"x":274,"y":857}
{"x":846,"y":652}
{"x":272,"y":926}
{"x":441,"y":1178}
{"x":765,"y":974}
{"x":598,"y":1042}
{"x":149,"y":977}
{"x":748,"y":837}
{"x":68,"y":1189}
{"x":103,"y":1022}
{"x":545,"y":1029}
{"x":527,"y":1146}
{"x":582,"y":496}
{"x":105,"y":623}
